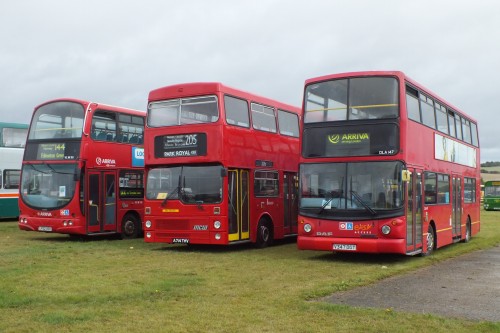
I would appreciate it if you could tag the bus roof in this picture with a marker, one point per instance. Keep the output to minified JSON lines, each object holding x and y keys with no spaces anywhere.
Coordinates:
{"x":400,"y":75}
{"x":97,"y":105}
{"x":205,"y":88}
{"x":13,"y":125}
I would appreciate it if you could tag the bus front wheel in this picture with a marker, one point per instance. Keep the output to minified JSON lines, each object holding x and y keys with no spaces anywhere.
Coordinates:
{"x":130,"y":227}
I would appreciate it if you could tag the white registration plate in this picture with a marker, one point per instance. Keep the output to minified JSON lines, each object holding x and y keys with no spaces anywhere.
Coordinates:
{"x":344,"y":247}
{"x":180,"y":241}
{"x":44,"y":228}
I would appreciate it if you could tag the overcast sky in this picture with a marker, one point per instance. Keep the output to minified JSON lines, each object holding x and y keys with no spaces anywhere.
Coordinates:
{"x":116,"y":51}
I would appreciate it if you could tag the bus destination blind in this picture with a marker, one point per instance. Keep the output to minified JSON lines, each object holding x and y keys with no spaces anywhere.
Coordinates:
{"x":181,"y":145}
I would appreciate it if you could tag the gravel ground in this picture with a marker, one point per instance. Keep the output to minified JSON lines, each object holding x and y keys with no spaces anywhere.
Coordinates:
{"x":464,"y":287}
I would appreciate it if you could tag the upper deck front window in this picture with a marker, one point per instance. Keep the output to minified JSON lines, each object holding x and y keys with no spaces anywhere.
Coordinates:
{"x":183,"y":111}
{"x":58,"y":120}
{"x":352,"y":99}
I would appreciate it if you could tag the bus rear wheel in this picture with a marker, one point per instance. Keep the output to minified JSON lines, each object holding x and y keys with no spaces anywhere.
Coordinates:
{"x":264,"y":234}
{"x":468,"y":233}
{"x":130,"y":227}
{"x":431,"y":241}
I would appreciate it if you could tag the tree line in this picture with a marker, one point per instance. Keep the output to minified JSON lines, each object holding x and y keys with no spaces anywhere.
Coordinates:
{"x":490,"y":164}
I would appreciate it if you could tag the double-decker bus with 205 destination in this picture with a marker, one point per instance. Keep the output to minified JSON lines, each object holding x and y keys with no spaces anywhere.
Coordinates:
{"x":491,"y":198}
{"x":83,"y":170}
{"x":12,"y":141}
{"x":221,"y":166}
{"x":386,"y":166}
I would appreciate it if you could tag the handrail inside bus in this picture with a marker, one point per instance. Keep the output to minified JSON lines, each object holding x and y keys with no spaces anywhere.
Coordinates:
{"x":354,"y":107}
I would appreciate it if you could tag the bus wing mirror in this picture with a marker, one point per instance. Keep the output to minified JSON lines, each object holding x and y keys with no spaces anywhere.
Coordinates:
{"x":405,"y":175}
{"x":223,"y":172}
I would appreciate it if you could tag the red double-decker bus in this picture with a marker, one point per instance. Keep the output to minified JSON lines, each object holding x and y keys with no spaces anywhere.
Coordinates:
{"x":221,"y":166}
{"x":83,"y":170}
{"x":386,"y":166}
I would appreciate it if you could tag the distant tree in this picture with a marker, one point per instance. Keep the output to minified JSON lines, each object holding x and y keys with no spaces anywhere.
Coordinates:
{"x":490,"y":164}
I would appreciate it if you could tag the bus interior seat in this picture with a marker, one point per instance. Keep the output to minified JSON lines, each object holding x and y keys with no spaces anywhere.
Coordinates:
{"x":102,"y":136}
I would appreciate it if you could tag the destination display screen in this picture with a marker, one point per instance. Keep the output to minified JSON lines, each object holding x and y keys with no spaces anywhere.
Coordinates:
{"x":54,"y":151}
{"x":131,"y":193}
{"x":181,"y":145}
{"x":357,"y":140}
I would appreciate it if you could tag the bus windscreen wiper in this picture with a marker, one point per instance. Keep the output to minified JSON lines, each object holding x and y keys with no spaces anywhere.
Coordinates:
{"x":364,"y":204}
{"x":324,"y":205}
{"x":176,"y":190}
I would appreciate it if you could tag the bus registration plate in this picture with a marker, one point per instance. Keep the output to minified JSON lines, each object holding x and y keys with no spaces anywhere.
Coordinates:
{"x":344,"y":247}
{"x":44,"y":228}
{"x":180,"y":241}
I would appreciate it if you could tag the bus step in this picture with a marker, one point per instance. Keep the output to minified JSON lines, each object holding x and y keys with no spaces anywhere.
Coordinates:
{"x":414,"y":252}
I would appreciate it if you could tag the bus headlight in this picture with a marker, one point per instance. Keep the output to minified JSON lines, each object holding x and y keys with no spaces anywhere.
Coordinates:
{"x":148,"y":234}
{"x":386,"y":229}
{"x":217,"y":236}
{"x":217,"y":224}
{"x":307,"y":227}
{"x":148,"y":224}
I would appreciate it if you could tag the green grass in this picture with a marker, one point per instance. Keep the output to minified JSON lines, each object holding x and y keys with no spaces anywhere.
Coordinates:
{"x":50,"y":283}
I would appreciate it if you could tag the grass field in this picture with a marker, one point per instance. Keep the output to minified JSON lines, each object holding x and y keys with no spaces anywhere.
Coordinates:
{"x":51,"y":283}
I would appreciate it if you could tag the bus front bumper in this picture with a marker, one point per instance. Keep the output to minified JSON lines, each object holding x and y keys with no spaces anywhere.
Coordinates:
{"x":361,"y":245}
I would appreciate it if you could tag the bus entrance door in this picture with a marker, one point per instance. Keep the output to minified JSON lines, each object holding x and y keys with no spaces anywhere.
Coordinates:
{"x":238,"y":205}
{"x":414,"y":213}
{"x":101,"y":208}
{"x":290,"y":203}
{"x":456,"y":204}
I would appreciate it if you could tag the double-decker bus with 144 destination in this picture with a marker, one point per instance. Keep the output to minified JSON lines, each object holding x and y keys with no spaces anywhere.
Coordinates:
{"x":83,"y":170}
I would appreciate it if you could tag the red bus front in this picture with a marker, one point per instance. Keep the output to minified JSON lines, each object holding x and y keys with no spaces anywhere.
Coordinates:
{"x":79,"y":177}
{"x":352,"y":206}
{"x":386,"y":167}
{"x":215,"y":175}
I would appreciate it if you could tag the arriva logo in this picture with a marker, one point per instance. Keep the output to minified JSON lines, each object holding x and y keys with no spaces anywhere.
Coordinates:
{"x":334,"y":138}
{"x":105,"y":161}
{"x":348,"y":138}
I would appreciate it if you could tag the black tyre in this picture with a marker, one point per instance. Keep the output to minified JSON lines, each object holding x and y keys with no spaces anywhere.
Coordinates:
{"x":431,"y":241}
{"x":468,"y":233}
{"x":264,"y":234}
{"x":131,"y":227}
